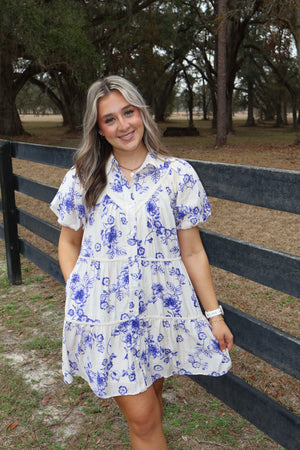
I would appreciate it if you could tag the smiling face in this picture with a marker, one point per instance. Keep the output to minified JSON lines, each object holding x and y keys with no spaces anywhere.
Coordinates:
{"x":121,"y":124}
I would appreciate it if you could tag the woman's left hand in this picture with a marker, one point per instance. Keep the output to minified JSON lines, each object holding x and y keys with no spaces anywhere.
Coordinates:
{"x":223,"y":334}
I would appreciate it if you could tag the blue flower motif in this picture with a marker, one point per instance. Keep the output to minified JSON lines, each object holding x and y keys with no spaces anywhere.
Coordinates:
{"x":123,"y":278}
{"x":157,"y":288}
{"x":101,"y":380}
{"x":98,"y":247}
{"x":69,"y":203}
{"x":202,"y":336}
{"x":81,"y":211}
{"x":132,"y":377}
{"x":79,"y":296}
{"x":170,"y":302}
{"x":122,"y":390}
{"x":142,"y":307}
{"x":74,"y":278}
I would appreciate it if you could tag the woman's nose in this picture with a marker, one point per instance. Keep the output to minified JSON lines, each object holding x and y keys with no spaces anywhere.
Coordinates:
{"x":123,"y":124}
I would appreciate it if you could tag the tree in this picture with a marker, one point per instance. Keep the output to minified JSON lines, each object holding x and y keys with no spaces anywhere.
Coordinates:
{"x":288,"y":14}
{"x":113,"y":33}
{"x":269,"y":47}
{"x":31,"y":100}
{"x":149,"y":51}
{"x":36,"y":37}
{"x":240,"y":14}
{"x":221,"y":75}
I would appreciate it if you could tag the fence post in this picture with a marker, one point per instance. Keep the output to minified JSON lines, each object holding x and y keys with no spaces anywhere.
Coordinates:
{"x":9,"y":214}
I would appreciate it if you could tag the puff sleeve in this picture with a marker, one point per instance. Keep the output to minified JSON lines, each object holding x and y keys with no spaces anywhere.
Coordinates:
{"x":68,"y":204}
{"x":191,"y":206}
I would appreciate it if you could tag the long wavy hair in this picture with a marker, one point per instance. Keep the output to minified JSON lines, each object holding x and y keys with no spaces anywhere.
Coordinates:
{"x":94,"y":150}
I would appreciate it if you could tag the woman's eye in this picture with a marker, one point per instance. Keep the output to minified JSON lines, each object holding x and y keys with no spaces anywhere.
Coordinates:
{"x":128,"y":112}
{"x":109,"y":120}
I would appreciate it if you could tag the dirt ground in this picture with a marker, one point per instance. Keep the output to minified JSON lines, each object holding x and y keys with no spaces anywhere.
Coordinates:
{"x":274,"y":229}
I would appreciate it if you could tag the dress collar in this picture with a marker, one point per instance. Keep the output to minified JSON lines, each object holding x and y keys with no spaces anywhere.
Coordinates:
{"x":150,"y":160}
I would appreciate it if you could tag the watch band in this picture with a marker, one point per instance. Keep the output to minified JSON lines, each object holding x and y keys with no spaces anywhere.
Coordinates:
{"x":215,"y":312}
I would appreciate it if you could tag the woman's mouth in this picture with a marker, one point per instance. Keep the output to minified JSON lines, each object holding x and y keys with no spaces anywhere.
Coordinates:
{"x":127,"y":136}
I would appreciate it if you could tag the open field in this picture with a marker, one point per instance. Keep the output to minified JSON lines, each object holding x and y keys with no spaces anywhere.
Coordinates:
{"x":39,"y":411}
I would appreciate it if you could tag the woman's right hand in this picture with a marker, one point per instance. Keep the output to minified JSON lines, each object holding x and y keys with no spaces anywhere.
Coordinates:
{"x":68,"y":249}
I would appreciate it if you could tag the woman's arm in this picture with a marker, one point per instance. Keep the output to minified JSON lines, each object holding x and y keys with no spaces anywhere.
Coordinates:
{"x":68,"y":249}
{"x":195,"y":260}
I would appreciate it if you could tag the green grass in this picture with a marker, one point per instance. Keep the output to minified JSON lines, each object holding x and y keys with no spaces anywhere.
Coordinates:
{"x":18,"y":404}
{"x":287,"y":301}
{"x":218,"y":426}
{"x":44,"y":343}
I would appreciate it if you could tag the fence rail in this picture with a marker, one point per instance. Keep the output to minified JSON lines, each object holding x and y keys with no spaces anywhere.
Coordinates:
{"x":269,"y":188}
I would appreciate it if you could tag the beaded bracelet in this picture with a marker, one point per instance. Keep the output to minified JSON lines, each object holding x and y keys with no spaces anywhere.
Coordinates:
{"x":216,"y":320}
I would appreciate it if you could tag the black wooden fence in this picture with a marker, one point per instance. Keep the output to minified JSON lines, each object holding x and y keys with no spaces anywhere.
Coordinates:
{"x":270,"y":188}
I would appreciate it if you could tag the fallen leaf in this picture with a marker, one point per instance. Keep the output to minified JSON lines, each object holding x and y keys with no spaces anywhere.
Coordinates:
{"x":105,"y":404}
{"x":12,"y":426}
{"x":49,"y":383}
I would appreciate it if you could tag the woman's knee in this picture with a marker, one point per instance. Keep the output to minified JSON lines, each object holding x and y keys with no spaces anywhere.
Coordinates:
{"x":142,"y":411}
{"x":145,"y":424}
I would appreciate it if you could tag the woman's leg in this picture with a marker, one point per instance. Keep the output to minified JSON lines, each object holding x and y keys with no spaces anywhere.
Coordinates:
{"x":158,"y":387}
{"x":143,"y":415}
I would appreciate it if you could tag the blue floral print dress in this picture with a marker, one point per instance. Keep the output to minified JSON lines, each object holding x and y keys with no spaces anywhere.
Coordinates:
{"x":131,"y":314}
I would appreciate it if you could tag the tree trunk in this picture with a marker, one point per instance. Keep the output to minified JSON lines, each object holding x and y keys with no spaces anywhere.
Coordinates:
{"x":204,"y":103}
{"x":53,"y":97}
{"x":294,"y":117}
{"x":221,"y":77}
{"x":229,"y":96}
{"x":10,"y":123}
{"x":161,"y":101}
{"x":285,"y":118}
{"x":190,"y":108}
{"x":279,"y":120}
{"x":296,"y":33}
{"x":72,"y":97}
{"x":250,"y":119}
{"x":214,"y":110}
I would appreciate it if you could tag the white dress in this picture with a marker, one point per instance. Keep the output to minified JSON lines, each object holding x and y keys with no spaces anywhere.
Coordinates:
{"x":131,"y":314}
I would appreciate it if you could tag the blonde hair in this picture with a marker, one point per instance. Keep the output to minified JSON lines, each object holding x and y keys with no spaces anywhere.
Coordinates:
{"x":94,"y":151}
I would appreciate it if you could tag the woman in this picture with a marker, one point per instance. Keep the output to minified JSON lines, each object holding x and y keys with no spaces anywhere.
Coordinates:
{"x":133,"y":262}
